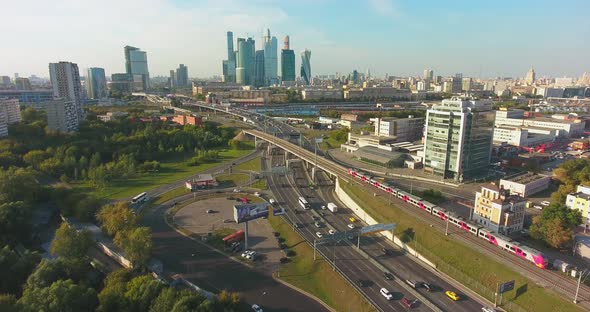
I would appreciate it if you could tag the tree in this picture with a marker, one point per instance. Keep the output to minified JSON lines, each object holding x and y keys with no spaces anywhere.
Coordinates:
{"x":137,"y":244}
{"x":18,"y":184}
{"x":117,"y":217}
{"x":112,"y":296}
{"x":7,"y":303}
{"x":15,"y":269}
{"x":69,"y":243}
{"x":230,"y":301}
{"x":35,"y":157}
{"x":61,"y":296}
{"x":15,"y":222}
{"x":556,"y":234}
{"x":142,"y":291}
{"x":188,"y":303}
{"x":165,"y":300}
{"x":555,"y":225}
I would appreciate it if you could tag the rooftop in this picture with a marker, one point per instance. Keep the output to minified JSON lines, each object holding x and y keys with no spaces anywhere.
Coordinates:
{"x":526,"y":178}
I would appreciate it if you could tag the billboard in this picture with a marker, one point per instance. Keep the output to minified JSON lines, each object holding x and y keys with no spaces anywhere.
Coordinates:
{"x":249,"y":212}
{"x":508,"y":286}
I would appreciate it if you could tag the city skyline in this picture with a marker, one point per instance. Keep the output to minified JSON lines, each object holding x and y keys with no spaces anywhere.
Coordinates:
{"x":397,"y":38}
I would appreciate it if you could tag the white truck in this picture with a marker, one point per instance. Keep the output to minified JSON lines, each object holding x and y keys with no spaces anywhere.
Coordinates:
{"x":332,"y":207}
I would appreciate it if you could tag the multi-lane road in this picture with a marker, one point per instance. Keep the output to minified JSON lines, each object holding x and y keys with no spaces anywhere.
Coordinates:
{"x":351,"y":262}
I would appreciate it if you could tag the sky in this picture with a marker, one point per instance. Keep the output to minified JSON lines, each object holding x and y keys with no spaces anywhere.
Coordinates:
{"x":395,"y":37}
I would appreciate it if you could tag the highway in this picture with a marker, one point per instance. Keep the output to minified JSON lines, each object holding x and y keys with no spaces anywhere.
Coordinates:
{"x":546,"y":278}
{"x":397,"y":262}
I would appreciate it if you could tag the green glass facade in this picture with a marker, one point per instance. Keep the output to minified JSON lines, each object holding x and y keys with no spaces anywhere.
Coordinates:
{"x":288,"y":65}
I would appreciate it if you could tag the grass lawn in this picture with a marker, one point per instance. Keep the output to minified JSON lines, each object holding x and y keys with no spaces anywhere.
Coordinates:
{"x":316,"y":277}
{"x":232,"y":180}
{"x":251,"y":165}
{"x":179,"y":191}
{"x":171,"y":170}
{"x":259,"y":184}
{"x":468,"y":261}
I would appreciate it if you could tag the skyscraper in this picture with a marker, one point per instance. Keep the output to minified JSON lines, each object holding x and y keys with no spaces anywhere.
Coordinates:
{"x":259,"y":69}
{"x":65,"y":81}
{"x":96,"y":83}
{"x":245,"y":67}
{"x":182,"y":76}
{"x":287,"y":62}
{"x":530,"y":76}
{"x":306,"y":66}
{"x":9,"y":113}
{"x":136,"y":64}
{"x":458,"y":138}
{"x":270,"y":58}
{"x":172,"y":79}
{"x":229,"y":65}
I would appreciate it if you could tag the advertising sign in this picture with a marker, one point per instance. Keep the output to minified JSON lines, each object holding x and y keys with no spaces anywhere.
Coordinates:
{"x":508,"y":286}
{"x":249,"y":212}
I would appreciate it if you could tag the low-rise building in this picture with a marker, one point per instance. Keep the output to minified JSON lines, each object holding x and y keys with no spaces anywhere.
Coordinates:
{"x":201,"y":181}
{"x":519,"y":136}
{"x":34,"y":96}
{"x":110,"y":116}
{"x":378,"y":93}
{"x":580,"y":200}
{"x":499,"y":211}
{"x":349,"y":117}
{"x":322,"y":94}
{"x":404,"y":129}
{"x":188,"y":120}
{"x":526,"y":184}
{"x":516,"y":118}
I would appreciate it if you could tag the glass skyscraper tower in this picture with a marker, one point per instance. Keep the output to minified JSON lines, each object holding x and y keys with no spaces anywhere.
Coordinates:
{"x":287,"y":62}
{"x":136,"y":64}
{"x":306,"y":66}
{"x":270,"y":58}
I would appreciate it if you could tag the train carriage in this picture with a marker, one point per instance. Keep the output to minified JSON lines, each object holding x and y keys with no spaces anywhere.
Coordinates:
{"x":439,"y":212}
{"x":427,"y":206}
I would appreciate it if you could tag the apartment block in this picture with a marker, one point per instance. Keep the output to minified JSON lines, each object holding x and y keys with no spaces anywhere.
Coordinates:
{"x":499,"y":211}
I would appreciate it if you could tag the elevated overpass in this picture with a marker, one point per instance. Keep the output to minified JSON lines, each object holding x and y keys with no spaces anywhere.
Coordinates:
{"x":333,"y":169}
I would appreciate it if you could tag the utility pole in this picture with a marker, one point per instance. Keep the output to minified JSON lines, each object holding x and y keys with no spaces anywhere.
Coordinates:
{"x":334,"y":256}
{"x":584,"y":272}
{"x":447,"y":228}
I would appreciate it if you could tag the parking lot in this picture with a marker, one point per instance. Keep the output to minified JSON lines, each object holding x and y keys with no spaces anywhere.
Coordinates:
{"x":195,"y":218}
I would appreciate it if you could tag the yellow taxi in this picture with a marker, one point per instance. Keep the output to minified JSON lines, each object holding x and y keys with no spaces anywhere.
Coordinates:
{"x":452,"y":295}
{"x":351,"y":219}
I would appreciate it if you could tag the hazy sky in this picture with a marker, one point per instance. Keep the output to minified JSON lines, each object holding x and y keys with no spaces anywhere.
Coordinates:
{"x":399,"y":37}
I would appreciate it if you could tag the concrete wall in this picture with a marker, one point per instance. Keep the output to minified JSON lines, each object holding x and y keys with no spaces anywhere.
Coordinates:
{"x":363,"y":215}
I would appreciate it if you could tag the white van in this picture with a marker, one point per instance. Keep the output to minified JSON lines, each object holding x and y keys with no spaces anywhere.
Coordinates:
{"x":386,"y":294}
{"x":272,"y":201}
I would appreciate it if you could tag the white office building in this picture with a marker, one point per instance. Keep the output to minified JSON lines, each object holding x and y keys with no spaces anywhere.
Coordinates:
{"x":519,"y":136}
{"x":516,"y":118}
{"x":404,"y":129}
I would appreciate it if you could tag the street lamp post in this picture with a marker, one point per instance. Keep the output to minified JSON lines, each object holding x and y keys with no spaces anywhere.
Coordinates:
{"x":447,"y":228}
{"x":584,"y":272}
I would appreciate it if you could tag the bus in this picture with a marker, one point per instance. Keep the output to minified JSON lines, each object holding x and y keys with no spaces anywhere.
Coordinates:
{"x":304,"y":203}
{"x":140,"y":198}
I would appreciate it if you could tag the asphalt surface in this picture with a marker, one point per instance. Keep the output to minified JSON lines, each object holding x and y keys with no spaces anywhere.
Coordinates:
{"x":351,"y":262}
{"x":545,"y":278}
{"x":213,"y":271}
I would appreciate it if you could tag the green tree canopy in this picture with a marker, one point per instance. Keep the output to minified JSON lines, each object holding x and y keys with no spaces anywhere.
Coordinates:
{"x":60,"y":296}
{"x":69,"y":243}
{"x":117,"y":217}
{"x":556,"y":225}
{"x":142,"y":291}
{"x":14,"y":269}
{"x":137,"y":244}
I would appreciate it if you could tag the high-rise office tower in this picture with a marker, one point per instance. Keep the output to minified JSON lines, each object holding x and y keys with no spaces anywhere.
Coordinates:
{"x":270,"y":58}
{"x":530,"y":76}
{"x":136,"y":64}
{"x":306,"y":66}
{"x":259,"y":69}
{"x":466,"y":84}
{"x":5,"y":80}
{"x":96,"y":83}
{"x":457,"y":83}
{"x":172,"y":79}
{"x":65,"y":81}
{"x":229,"y":65}
{"x":245,"y":67}
{"x":9,"y":114}
{"x":287,"y":61}
{"x":458,"y":138}
{"x":428,"y":78}
{"x":182,"y":76}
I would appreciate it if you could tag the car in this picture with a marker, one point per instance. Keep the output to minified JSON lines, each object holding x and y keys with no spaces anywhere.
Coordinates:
{"x":538,"y":207}
{"x":315,"y":218}
{"x":236,"y":190}
{"x":427,"y":286}
{"x":385,"y":293}
{"x":256,"y":193}
{"x":362,"y":283}
{"x":209,"y":210}
{"x":545,"y":203}
{"x":318,"y":225}
{"x":385,"y":251}
{"x":319,"y":234}
{"x":297,"y":225}
{"x":351,"y":219}
{"x":452,"y":295}
{"x":272,"y":201}
{"x":351,"y":226}
{"x":408,"y":303}
{"x":284,"y":260}
{"x":276,"y":234}
{"x":324,"y":207}
{"x":388,"y":276}
{"x":412,"y":283}
{"x":251,"y":256}
{"x":487,"y":309}
{"x":256,"y":308}
{"x":246,"y":253}
{"x":332,"y":231}
{"x":283,"y":246}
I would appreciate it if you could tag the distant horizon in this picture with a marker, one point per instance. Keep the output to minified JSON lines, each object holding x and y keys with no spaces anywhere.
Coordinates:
{"x":487,"y":40}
